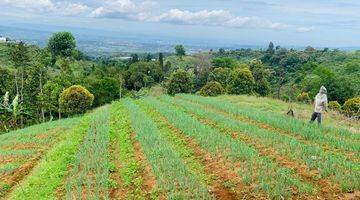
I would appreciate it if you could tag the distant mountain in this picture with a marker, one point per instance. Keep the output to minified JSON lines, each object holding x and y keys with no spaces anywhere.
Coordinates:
{"x":96,"y":42}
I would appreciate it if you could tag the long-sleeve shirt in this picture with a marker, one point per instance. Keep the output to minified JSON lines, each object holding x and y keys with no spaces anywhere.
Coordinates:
{"x":321,"y":103}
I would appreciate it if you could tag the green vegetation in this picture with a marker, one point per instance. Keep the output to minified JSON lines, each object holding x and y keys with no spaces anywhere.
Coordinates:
{"x":180,"y":82}
{"x":149,"y":148}
{"x":75,"y":99}
{"x":212,"y":88}
{"x":147,"y":145}
{"x":352,"y":107}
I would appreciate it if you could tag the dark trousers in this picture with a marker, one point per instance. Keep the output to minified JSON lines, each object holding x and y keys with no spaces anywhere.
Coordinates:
{"x":315,"y":116}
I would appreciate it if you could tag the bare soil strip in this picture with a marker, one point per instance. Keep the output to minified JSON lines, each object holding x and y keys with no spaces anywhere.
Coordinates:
{"x":119,"y":192}
{"x":146,"y":174}
{"x":225,"y":182}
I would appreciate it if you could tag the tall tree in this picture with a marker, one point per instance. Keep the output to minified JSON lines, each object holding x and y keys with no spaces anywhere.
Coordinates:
{"x":260,"y":75}
{"x":62,"y":44}
{"x":161,"y":60}
{"x":180,"y":50}
{"x":20,"y":56}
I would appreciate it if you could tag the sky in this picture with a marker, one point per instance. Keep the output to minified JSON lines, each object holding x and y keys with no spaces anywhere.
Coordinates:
{"x":323,"y":23}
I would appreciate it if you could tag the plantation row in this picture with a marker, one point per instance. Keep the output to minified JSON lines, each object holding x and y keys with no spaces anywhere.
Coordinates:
{"x":182,"y":147}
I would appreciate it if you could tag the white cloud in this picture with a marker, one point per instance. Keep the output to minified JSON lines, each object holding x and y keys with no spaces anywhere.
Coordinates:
{"x":124,"y":9}
{"x":127,"y":9}
{"x":29,"y":4}
{"x":304,"y":29}
{"x":47,"y":6}
{"x":71,"y":9}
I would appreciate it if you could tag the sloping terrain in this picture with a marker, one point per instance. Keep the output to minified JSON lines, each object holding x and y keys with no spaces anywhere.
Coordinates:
{"x":184,"y":147}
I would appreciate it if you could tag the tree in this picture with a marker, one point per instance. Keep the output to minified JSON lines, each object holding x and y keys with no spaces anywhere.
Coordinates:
{"x":224,"y":62}
{"x":260,"y":75}
{"x":221,"y":51}
{"x":269,"y":52}
{"x":180,"y":51}
{"x":75,"y":100}
{"x":212,"y":88}
{"x":104,"y":89}
{"x":167,"y":67}
{"x":62,"y":44}
{"x":241,"y":81}
{"x":134,"y":58}
{"x":143,"y":74}
{"x":220,"y":75}
{"x":161,"y":60}
{"x":179,"y":82}
{"x":20,"y":56}
{"x":148,"y":58}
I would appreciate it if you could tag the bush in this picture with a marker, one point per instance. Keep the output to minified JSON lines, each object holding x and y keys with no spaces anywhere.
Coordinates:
{"x":352,"y":107}
{"x":75,"y":99}
{"x":212,"y":88}
{"x":179,"y":82}
{"x":303,"y":97}
{"x":334,"y":105}
{"x":241,"y":81}
{"x":220,"y":75}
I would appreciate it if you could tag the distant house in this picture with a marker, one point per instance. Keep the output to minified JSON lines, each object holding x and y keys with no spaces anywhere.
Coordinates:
{"x":2,"y":39}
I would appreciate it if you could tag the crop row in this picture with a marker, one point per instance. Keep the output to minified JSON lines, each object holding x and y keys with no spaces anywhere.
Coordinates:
{"x":88,"y":177}
{"x":173,"y":176}
{"x":293,"y":126}
{"x":329,"y":165}
{"x":130,"y":183}
{"x":340,"y":132}
{"x":48,"y":175}
{"x":272,"y":179}
{"x":20,"y":151}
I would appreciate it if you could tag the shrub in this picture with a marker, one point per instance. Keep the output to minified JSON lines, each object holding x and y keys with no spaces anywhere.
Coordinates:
{"x":220,"y":75}
{"x":179,"y":82}
{"x":212,"y":88}
{"x":75,"y":99}
{"x":334,"y":105}
{"x":303,"y":97}
{"x":241,"y":81}
{"x":352,"y":107}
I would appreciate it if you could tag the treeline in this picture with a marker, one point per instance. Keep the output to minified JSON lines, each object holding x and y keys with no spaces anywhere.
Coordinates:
{"x":41,"y":84}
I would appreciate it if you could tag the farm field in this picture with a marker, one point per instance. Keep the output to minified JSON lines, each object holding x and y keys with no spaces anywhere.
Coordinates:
{"x":184,"y":147}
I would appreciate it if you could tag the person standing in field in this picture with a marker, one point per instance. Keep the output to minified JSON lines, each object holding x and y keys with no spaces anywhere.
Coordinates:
{"x":321,"y":104}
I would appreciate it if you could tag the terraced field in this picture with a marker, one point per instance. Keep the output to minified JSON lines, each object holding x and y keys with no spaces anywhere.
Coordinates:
{"x":182,"y":147}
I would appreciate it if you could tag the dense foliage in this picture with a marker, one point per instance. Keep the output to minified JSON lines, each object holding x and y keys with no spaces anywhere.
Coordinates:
{"x":212,"y":88}
{"x":352,"y":107}
{"x":75,"y":100}
{"x":334,"y":105}
{"x":179,"y":82}
{"x":35,"y":77}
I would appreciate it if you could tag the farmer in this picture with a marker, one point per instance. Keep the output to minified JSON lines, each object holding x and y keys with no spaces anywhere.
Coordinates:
{"x":320,"y":104}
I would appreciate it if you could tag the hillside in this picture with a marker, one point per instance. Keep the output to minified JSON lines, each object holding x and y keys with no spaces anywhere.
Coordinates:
{"x":184,"y":147}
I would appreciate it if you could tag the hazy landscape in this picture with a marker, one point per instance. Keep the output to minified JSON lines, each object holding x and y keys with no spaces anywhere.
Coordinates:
{"x":135,"y":99}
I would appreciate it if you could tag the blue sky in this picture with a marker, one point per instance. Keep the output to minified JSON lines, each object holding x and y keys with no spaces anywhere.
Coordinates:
{"x":334,"y":23}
